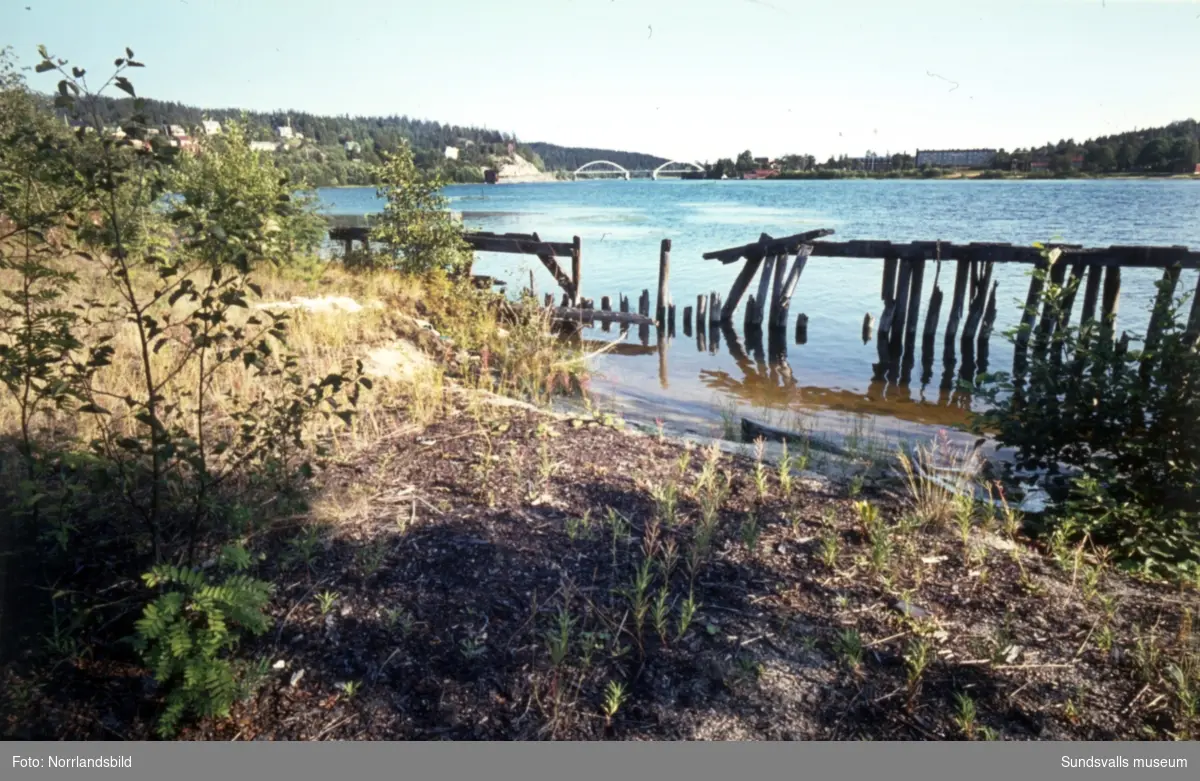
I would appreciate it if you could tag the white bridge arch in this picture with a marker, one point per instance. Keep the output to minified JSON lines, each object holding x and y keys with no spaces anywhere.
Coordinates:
{"x":588,"y":169}
{"x":690,"y":165}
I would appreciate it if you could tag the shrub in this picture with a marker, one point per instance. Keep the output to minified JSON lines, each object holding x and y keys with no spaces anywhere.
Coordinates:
{"x":1122,"y":422}
{"x":416,"y":227}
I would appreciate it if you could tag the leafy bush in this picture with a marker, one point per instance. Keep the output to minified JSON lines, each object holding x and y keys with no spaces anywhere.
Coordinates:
{"x":416,"y":227}
{"x":186,"y":634}
{"x":1121,"y":422}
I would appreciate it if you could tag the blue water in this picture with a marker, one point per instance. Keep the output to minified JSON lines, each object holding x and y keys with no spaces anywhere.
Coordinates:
{"x":621,"y":224}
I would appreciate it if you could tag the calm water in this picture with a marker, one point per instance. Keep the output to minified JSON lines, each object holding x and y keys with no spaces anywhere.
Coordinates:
{"x":825,"y":383}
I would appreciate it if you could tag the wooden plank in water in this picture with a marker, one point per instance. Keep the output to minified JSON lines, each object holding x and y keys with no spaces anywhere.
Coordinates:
{"x":749,"y":269}
{"x":752,"y":430}
{"x":997,"y":252}
{"x":575,"y":314}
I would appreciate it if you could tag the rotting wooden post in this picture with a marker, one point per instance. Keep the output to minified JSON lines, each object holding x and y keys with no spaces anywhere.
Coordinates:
{"x":576,"y":267}
{"x":961,"y":272}
{"x":532,"y":286}
{"x":764,"y":288}
{"x":1045,"y":327}
{"x":913,"y":315}
{"x":687,"y":321}
{"x":664,"y":270}
{"x":549,"y":300}
{"x":644,"y":303}
{"x":671,"y":320}
{"x":1037,"y":281}
{"x":749,"y":269}
{"x":1090,"y":294}
{"x":888,"y":292}
{"x":751,"y":318}
{"x":1162,"y":304}
{"x":802,"y":328}
{"x":989,"y":314}
{"x":777,"y":285}
{"x":779,"y":313}
{"x":605,"y":306}
{"x":868,"y":322}
{"x":714,"y":308}
{"x":896,"y":327}
{"x":624,"y":306}
{"x":1111,"y":303}
{"x":701,"y":311}
{"x":1193,"y":324}
{"x":566,"y":301}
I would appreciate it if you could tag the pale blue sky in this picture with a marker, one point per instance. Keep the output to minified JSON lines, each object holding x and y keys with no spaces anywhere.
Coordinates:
{"x":693,"y":79}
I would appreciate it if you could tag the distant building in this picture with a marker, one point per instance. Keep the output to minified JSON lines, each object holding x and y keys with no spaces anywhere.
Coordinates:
{"x":284,"y":132}
{"x":352,"y":148}
{"x":451,"y":153}
{"x":210,"y":127}
{"x":490,"y":176}
{"x":263,"y":146}
{"x":175,"y":131}
{"x":760,"y":173}
{"x":956,"y":158}
{"x":115,"y":132}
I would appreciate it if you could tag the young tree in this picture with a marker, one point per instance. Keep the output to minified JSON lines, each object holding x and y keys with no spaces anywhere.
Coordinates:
{"x":416,"y":226}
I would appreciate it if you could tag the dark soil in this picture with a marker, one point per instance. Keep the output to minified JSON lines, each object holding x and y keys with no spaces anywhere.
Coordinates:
{"x":450,"y":570}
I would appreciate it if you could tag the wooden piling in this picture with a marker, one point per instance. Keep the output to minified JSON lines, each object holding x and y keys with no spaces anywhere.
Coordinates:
{"x":576,"y":267}
{"x":1111,"y":303}
{"x":1037,"y":282}
{"x":1090,"y":294}
{"x":764,"y":287}
{"x":644,"y":303}
{"x":744,"y":277}
{"x":687,"y":321}
{"x":549,"y":300}
{"x":781,"y":271}
{"x":896,"y":327}
{"x":532,"y":286}
{"x":567,"y":303}
{"x":701,"y":311}
{"x":1045,"y":327}
{"x":1162,"y":305}
{"x":624,"y":308}
{"x":751,"y":318}
{"x":664,"y":270}
{"x":802,"y":329}
{"x":714,"y":308}
{"x":779,"y":313}
{"x":961,"y":272}
{"x":888,"y":292}
{"x":913,"y":315}
{"x":989,"y":314}
{"x":671,"y":320}
{"x":605,"y":306}
{"x":1193,"y":326}
{"x":868,"y":323}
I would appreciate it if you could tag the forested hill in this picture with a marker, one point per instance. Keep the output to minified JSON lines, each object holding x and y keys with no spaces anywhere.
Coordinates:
{"x":337,"y":150}
{"x":568,"y":158}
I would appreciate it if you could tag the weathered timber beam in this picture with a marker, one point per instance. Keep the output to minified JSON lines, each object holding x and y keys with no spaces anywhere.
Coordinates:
{"x":577,"y":315}
{"x":521,"y":244}
{"x":786,"y":245}
{"x":1133,"y":257}
{"x":779,"y":314}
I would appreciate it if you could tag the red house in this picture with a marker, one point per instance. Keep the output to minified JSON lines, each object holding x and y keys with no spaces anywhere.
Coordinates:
{"x":760,"y":173}
{"x":1197,"y":171}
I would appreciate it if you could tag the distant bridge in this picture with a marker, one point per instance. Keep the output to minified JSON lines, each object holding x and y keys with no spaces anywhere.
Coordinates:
{"x":606,"y":168}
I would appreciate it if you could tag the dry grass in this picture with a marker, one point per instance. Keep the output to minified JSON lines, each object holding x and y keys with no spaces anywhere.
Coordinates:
{"x":938,"y":475}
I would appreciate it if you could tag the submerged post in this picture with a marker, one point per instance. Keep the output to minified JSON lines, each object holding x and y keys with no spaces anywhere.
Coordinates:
{"x":664,"y":270}
{"x":779,"y":311}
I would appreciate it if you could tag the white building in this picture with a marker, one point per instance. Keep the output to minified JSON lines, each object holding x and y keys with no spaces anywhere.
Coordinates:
{"x":451,"y":153}
{"x":284,"y":131}
{"x":176,"y":131}
{"x":211,"y":127}
{"x":263,"y":146}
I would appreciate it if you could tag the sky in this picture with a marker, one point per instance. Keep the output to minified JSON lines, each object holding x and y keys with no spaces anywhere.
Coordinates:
{"x":684,"y":79}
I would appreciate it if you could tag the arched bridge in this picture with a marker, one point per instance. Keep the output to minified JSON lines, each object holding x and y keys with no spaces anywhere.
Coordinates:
{"x":607,"y":168}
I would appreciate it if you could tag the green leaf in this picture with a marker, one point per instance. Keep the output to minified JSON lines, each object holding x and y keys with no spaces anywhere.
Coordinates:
{"x":128,"y":52}
{"x":125,"y":86}
{"x":44,"y":66}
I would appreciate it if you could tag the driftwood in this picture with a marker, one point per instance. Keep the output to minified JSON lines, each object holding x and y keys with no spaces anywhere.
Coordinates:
{"x":575,"y":314}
